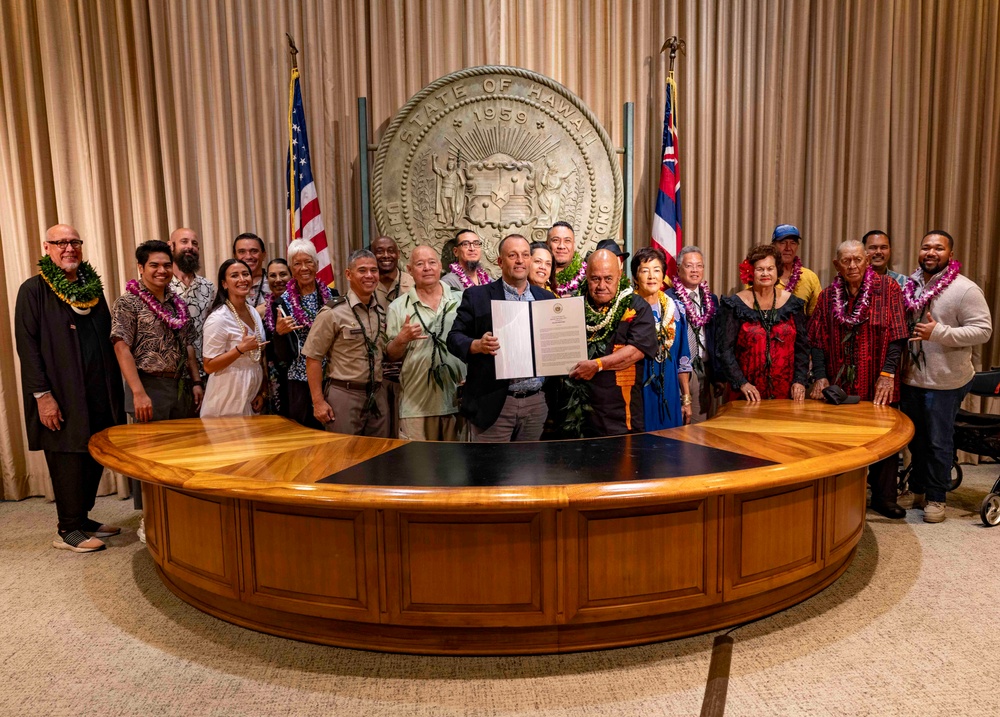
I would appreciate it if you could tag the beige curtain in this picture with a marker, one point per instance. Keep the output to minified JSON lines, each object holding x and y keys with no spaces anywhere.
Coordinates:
{"x":129,"y":118}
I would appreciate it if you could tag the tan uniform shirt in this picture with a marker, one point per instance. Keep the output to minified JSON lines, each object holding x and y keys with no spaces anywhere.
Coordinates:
{"x":338,"y":334}
{"x":387,"y":294}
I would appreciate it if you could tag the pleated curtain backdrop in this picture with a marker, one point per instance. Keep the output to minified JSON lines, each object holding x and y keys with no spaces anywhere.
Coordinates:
{"x":129,"y":118}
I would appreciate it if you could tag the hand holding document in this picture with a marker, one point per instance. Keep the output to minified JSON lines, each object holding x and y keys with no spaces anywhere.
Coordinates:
{"x":539,"y":338}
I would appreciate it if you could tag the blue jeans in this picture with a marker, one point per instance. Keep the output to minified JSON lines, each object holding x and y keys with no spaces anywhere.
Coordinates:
{"x":933,"y":446}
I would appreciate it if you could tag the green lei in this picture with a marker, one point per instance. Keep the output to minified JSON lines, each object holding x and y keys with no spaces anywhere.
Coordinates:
{"x":577,"y":394}
{"x":569,"y":272}
{"x":82,"y":293}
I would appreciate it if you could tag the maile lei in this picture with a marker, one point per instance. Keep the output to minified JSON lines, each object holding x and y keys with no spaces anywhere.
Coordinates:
{"x":698,"y":319}
{"x":851,"y":321}
{"x":601,"y":324}
{"x":300,"y":313}
{"x":794,"y":276}
{"x":481,"y":275}
{"x":571,"y":276}
{"x":666,"y":333}
{"x":81,"y":294}
{"x":915,"y":307}
{"x":174,"y":322}
{"x":440,"y":368}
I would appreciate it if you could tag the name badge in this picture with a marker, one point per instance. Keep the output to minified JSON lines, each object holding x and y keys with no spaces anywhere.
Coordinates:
{"x":357,"y":332}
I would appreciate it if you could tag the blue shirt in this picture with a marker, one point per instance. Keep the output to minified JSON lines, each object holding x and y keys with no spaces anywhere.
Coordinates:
{"x":521,"y":384}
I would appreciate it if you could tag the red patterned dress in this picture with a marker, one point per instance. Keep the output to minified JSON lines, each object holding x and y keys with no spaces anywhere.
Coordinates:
{"x":769,"y":349}
{"x":865,"y":347}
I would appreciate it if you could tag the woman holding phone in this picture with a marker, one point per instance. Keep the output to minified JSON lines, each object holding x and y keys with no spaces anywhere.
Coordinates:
{"x":232,"y":348}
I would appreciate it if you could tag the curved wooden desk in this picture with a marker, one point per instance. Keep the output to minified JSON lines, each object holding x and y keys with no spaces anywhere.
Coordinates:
{"x":519,"y":548}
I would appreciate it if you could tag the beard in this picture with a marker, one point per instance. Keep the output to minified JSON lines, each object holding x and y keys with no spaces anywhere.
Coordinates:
{"x":188,"y":262}
{"x":472,"y":265}
{"x":936,"y":270}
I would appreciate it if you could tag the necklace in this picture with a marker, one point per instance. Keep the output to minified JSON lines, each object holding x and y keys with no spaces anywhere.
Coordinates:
{"x":440,"y":368}
{"x":175,"y":322}
{"x":931,"y":292}
{"x":482,"y":277}
{"x":269,"y":311}
{"x":302,"y":315}
{"x":602,"y":322}
{"x":698,"y":317}
{"x":794,"y":276}
{"x":370,"y":408}
{"x":569,"y":278}
{"x":255,"y":353}
{"x":81,"y":294}
{"x":840,"y":300}
{"x":666,"y":328}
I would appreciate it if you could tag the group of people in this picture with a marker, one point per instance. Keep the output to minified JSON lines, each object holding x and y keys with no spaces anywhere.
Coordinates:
{"x":411,"y":353}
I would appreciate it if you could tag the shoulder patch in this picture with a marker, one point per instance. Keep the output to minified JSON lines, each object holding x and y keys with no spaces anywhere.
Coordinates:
{"x":335,"y":301}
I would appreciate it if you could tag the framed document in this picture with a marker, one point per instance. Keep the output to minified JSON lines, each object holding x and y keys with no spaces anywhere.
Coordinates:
{"x":539,"y":338}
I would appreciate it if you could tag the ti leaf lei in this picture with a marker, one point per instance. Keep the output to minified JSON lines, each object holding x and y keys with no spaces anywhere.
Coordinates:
{"x":440,"y":368}
{"x":83,"y":293}
{"x":572,"y":276}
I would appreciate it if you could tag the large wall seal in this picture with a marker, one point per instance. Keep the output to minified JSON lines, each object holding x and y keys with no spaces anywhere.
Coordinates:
{"x":498,"y":150}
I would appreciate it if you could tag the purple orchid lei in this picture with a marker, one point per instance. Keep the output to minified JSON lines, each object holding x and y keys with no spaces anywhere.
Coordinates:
{"x":860,"y":312}
{"x":698,"y":319}
{"x":794,"y":276}
{"x":269,"y":322}
{"x":174,"y":322}
{"x":481,"y":274}
{"x":301,"y":316}
{"x":917,"y":306}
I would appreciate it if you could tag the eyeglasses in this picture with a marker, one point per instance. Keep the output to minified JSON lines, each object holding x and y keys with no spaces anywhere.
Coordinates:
{"x":63,"y":243}
{"x":467,"y":244}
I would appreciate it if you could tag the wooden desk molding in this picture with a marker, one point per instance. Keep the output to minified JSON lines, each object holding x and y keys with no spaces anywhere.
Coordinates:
{"x":458,"y":549}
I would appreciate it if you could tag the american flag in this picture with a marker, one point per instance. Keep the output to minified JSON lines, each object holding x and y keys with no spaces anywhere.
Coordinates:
{"x":667,"y":220}
{"x":305,"y":220}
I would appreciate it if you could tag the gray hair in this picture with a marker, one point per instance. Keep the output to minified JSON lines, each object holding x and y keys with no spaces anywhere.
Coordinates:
{"x":359,"y":254}
{"x":303,"y":246}
{"x":849,"y":244}
{"x":689,"y":250}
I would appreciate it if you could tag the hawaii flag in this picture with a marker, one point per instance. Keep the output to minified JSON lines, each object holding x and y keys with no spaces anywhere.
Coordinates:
{"x":305,"y":220}
{"x":667,"y":219}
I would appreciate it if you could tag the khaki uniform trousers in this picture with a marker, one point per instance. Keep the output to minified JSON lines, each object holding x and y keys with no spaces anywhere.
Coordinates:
{"x":347,"y":405}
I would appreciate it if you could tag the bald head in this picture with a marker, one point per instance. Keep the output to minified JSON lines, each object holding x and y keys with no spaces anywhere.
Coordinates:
{"x":424,"y":266}
{"x":59,"y":247}
{"x":604,"y":271}
{"x":186,"y":251}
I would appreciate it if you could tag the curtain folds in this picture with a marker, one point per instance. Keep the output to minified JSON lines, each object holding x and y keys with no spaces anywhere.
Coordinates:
{"x":129,"y":118}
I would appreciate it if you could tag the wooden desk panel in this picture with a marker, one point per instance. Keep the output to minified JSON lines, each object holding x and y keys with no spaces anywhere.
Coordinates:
{"x":253,"y":520}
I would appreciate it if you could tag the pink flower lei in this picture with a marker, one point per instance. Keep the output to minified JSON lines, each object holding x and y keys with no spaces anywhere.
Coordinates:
{"x":301,"y":316}
{"x":860,"y":312}
{"x":698,"y":319}
{"x":269,"y":322}
{"x":931,"y":292}
{"x":481,"y":274}
{"x":794,"y":276}
{"x":174,"y":322}
{"x":563,"y":290}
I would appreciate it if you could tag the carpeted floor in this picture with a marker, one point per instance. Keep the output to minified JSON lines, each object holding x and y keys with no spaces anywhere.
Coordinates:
{"x":910,"y":629}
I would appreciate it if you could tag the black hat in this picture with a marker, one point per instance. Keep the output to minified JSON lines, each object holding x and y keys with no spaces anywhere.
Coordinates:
{"x":836,"y":395}
{"x":612,"y":246}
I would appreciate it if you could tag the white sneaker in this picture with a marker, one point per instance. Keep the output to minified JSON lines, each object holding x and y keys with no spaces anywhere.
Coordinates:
{"x":934,"y":512}
{"x":908,"y":500}
{"x":141,"y":532}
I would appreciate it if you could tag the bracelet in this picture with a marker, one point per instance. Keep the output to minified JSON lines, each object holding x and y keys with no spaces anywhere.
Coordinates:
{"x":685,"y":399}
{"x":197,"y":383}
{"x":238,"y":351}
{"x":600,"y":366}
{"x":886,"y":374}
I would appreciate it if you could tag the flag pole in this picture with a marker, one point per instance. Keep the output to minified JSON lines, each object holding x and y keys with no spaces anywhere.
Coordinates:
{"x":292,"y":195}
{"x":674,"y":44}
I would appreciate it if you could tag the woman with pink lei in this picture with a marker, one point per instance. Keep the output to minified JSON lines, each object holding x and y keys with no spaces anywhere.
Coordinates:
{"x":233,"y":339}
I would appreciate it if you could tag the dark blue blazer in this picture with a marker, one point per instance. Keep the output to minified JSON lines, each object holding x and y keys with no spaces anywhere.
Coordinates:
{"x":484,"y":395}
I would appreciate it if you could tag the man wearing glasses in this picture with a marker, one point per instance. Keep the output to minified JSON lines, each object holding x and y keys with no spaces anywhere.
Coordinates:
{"x":70,"y":380}
{"x":467,"y":270}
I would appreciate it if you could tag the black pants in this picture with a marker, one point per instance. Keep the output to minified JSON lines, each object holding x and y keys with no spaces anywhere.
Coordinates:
{"x":168,"y":404}
{"x":882,"y":479}
{"x":300,"y":405}
{"x":75,"y":477}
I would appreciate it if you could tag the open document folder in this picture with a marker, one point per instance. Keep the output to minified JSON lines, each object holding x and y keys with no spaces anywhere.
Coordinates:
{"x":539,"y":338}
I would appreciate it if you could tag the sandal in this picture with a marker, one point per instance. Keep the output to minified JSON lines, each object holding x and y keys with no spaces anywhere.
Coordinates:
{"x":99,"y":530}
{"x":78,"y":542}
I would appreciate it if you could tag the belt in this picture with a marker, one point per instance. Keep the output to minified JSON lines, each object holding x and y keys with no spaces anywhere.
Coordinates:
{"x":162,"y":374}
{"x":523,"y":394}
{"x":351,"y":385}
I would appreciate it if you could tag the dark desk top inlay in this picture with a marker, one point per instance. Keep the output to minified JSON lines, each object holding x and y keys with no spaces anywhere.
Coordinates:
{"x":640,"y":456}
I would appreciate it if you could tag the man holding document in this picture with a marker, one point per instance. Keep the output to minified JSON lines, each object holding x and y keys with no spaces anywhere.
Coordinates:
{"x":499,"y":409}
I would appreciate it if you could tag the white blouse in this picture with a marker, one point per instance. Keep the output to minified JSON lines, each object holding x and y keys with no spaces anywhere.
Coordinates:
{"x":230,"y":391}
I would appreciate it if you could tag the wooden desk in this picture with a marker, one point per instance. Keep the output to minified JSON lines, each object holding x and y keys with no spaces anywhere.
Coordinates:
{"x":522,"y":548}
